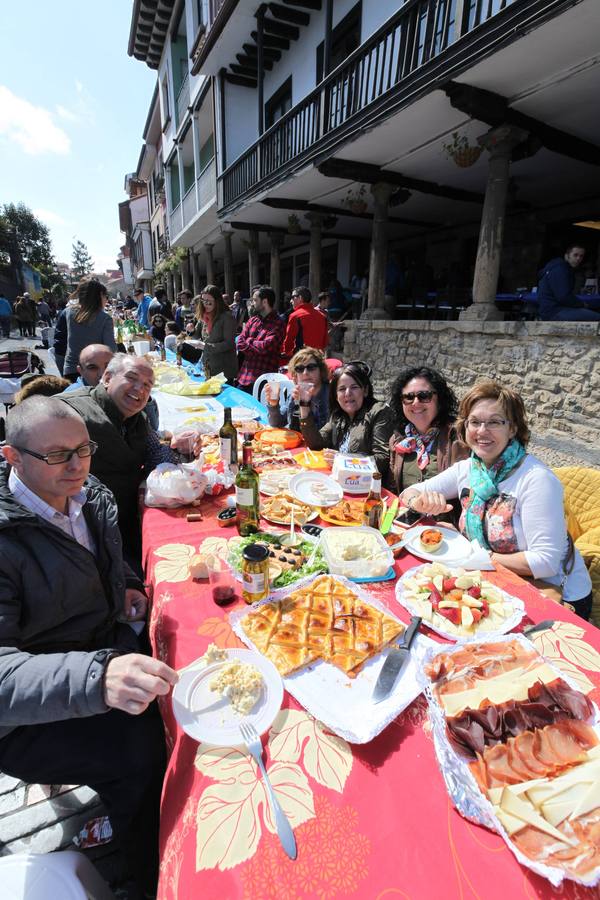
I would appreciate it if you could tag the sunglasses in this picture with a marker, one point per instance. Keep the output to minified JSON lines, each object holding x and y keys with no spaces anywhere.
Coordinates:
{"x":309,"y":367}
{"x":421,"y":396}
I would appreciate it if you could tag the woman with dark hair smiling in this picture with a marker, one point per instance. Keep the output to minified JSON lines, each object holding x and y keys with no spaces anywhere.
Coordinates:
{"x":358,"y":423}
{"x":425,"y":441}
{"x":216,"y":327}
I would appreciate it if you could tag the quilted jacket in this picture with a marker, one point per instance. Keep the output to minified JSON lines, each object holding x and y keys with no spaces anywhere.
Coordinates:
{"x":582,"y":507}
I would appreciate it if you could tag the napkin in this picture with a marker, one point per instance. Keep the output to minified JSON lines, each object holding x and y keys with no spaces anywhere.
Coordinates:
{"x":480,"y":558}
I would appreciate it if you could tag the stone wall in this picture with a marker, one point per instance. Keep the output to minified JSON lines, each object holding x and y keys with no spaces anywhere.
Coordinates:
{"x":555,"y":366}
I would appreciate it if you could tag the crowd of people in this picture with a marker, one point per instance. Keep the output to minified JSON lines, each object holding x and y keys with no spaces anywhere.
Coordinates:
{"x":77,"y":679}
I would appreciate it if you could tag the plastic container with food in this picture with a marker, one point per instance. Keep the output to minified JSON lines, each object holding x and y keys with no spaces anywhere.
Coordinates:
{"x":356,"y":551}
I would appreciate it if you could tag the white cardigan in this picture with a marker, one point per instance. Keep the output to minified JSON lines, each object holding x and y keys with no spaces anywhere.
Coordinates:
{"x":538,"y":521}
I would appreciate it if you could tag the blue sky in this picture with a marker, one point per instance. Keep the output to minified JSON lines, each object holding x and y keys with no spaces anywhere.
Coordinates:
{"x":72,"y":111}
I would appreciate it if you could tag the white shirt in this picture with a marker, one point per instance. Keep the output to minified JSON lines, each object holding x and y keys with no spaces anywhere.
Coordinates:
{"x":538,"y":519}
{"x":73,"y":523}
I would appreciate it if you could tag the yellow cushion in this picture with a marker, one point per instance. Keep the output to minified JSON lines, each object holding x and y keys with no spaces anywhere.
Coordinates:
{"x":582,"y":510}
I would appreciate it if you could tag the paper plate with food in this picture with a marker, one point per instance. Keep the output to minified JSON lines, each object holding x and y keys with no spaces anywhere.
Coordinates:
{"x":329,"y":640}
{"x":270,"y":459}
{"x":346,"y":512}
{"x":276,"y":481}
{"x":316,"y":489}
{"x":279,"y":509}
{"x":224,"y":688}
{"x":437,"y":543}
{"x":287,"y":565}
{"x":456,"y":604}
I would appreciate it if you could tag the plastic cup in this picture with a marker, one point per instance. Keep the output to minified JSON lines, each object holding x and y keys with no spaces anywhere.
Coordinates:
{"x":274,"y":388}
{"x":222,"y":583}
{"x":305,"y":389}
{"x":185,"y":445}
{"x":141,"y":347}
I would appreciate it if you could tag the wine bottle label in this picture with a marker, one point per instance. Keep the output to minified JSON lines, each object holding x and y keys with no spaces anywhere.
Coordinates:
{"x":254,"y":583}
{"x":244,"y":496}
{"x":226,"y":450}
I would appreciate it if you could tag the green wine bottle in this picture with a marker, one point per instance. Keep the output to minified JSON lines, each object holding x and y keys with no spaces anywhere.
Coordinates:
{"x":246,"y":493}
{"x":228,"y":441}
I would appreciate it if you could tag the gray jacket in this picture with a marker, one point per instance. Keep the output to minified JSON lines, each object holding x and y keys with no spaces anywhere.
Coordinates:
{"x":219,"y":346}
{"x":58,"y":610}
{"x":100,"y":330}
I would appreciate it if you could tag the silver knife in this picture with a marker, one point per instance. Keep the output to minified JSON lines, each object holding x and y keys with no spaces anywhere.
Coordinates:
{"x":397,"y":658}
{"x":541,"y":626}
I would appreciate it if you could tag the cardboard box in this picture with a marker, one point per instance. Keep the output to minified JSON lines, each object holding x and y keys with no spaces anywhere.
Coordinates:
{"x":353,"y":472}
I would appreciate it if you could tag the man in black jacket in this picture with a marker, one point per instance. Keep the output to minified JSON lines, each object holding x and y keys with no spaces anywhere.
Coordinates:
{"x":76,"y":685}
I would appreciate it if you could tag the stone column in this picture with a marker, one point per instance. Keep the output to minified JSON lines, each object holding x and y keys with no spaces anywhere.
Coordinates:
{"x":500,"y":143}
{"x":314,"y":260}
{"x":228,"y":264}
{"x":210,"y":264}
{"x":379,"y":243}
{"x":184,"y":268}
{"x":196,"y":277}
{"x":276,"y":238}
{"x":253,"y":261}
{"x":177,"y":282}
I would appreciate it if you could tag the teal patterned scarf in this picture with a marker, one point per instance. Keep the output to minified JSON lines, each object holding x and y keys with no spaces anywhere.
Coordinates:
{"x":484,"y":487}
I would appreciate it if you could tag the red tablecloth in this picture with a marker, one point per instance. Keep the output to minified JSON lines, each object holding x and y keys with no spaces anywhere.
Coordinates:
{"x":371,"y":821}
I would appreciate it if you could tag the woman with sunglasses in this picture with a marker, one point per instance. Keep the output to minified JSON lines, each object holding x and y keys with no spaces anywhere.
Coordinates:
{"x":425,"y":440}
{"x":511,"y":502}
{"x":308,"y":370}
{"x":358,"y":423}
{"x":217,"y":329}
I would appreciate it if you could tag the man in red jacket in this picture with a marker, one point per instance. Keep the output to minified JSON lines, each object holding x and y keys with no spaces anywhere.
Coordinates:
{"x":306,"y":327}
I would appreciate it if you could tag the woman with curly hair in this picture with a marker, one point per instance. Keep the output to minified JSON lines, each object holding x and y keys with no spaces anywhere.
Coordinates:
{"x":511,"y":502}
{"x":425,"y":440}
{"x":358,"y":423}
{"x":216,"y":329}
{"x":308,"y":370}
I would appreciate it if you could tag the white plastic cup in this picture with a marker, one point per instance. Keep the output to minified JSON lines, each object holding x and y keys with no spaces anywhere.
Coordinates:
{"x":141,"y":347}
{"x":305,"y":389}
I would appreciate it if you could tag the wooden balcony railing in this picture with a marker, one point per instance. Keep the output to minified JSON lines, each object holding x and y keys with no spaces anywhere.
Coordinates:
{"x":420,"y":31}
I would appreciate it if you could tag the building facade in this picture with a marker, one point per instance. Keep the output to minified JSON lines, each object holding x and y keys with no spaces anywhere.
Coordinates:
{"x":428,"y":143}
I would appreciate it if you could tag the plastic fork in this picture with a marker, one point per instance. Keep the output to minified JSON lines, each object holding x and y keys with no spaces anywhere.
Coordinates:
{"x":284,"y":829}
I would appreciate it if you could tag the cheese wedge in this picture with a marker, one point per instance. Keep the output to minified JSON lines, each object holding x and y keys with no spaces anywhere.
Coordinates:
{"x":589,"y":800}
{"x":510,"y":823}
{"x":519,"y":808}
{"x":511,"y":685}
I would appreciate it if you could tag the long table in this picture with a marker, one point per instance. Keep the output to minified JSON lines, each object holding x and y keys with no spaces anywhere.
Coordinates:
{"x":371,"y":821}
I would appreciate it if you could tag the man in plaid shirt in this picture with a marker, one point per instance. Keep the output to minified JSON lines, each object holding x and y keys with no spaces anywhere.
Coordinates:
{"x":261,"y":339}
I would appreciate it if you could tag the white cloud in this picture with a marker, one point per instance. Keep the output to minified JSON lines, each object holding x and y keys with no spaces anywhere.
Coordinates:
{"x":66,"y":114}
{"x":29,"y":126}
{"x":78,"y":86}
{"x":49,"y":217}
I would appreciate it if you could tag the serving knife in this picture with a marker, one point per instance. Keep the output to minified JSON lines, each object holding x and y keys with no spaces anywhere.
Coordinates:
{"x":397,"y":658}
{"x":541,"y":626}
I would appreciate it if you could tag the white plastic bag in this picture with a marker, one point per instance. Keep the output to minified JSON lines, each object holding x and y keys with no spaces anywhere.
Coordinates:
{"x":170,"y":486}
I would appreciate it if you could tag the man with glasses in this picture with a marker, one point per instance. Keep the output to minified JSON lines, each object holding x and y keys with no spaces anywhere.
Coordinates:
{"x":76,"y":684}
{"x":306,"y":327}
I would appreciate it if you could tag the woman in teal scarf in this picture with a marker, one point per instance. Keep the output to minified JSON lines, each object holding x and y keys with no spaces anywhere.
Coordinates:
{"x":512,"y":504}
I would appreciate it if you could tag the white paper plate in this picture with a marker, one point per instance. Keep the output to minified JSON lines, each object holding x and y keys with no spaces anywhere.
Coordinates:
{"x":244,"y":413}
{"x":316,"y":489}
{"x":219,"y":725}
{"x":481,"y":634}
{"x":345,"y":704}
{"x":454,"y":550}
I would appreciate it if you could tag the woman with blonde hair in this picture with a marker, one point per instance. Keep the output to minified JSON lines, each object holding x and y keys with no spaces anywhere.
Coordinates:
{"x":216,"y":329}
{"x":308,"y":370}
{"x":511,"y":502}
{"x":87,"y":323}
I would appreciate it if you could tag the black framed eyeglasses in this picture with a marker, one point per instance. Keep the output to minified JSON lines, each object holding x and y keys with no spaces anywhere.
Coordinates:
{"x":309,"y":367}
{"x":421,"y":396}
{"x":57,"y":457}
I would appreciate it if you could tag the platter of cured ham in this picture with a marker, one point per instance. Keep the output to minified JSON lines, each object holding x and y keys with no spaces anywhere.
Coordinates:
{"x":519,"y":748}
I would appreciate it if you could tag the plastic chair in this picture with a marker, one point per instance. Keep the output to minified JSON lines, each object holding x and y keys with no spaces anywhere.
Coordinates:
{"x":287,"y":386}
{"x":66,"y":874}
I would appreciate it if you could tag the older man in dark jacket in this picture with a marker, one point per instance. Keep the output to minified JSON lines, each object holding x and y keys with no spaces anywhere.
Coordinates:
{"x":76,"y":688}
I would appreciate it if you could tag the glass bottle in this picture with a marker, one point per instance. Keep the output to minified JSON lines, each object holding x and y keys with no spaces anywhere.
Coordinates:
{"x":373,"y":508}
{"x":246,"y":493}
{"x":119,"y":334}
{"x":178,"y":355}
{"x":130,"y":347}
{"x":255,"y":573}
{"x":163,"y":352}
{"x":228,"y":441}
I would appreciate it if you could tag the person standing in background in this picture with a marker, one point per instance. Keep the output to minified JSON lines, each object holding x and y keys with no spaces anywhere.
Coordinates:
{"x":261,"y":339}
{"x":5,"y":316}
{"x":87,"y":323}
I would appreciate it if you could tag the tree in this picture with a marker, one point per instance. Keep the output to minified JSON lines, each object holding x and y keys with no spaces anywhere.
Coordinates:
{"x":28,"y":236}
{"x":82,"y":261}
